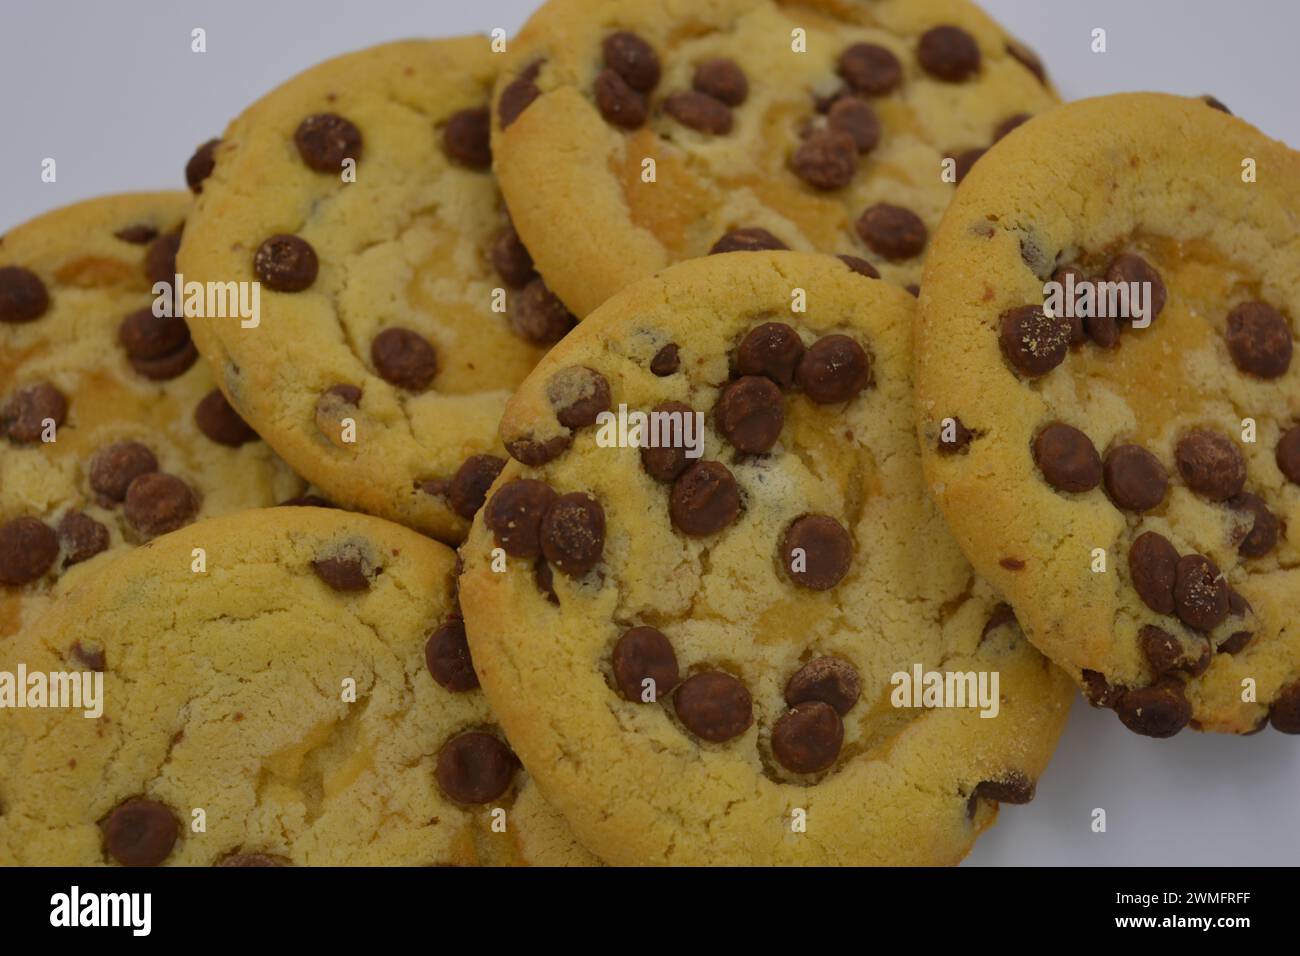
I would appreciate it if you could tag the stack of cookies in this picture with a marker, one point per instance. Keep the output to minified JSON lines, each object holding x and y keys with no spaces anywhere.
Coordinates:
{"x":797,"y":490}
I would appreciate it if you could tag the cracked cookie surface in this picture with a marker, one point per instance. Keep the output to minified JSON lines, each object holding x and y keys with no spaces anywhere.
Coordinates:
{"x":687,"y":650}
{"x":817,"y":125}
{"x":1171,"y":451}
{"x":398,"y":309}
{"x":297,"y":691}
{"x":111,"y":427}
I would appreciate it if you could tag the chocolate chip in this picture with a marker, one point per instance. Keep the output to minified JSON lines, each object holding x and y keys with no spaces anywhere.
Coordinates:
{"x":1200,"y":593}
{"x":138,"y":234}
{"x":949,"y":53}
{"x":469,"y":486}
{"x":1099,"y":691}
{"x":834,"y":369}
{"x":1265,"y":527}
{"x":169,"y":366}
{"x":27,"y":550}
{"x":24,"y":415}
{"x":1013,"y":787}
{"x":852,"y":116}
{"x":618,"y":103}
{"x":1236,"y":642}
{"x":807,"y":738}
{"x":1214,"y":103}
{"x":1032,"y":341}
{"x":665,"y":462}
{"x":336,"y":402}
{"x":22,"y":295}
{"x":1288,"y":454}
{"x":92,"y":657}
{"x":160,"y":258}
{"x":1077,"y":333}
{"x":1009,"y":124}
{"x":1162,"y":650}
{"x":325,"y":140}
{"x":699,"y":112}
{"x":641,"y":654}
{"x":1028,"y":59}
{"x":286,"y":263}
{"x":113,"y":468}
{"x":1103,"y":330}
{"x":220,"y":422}
{"x":404,"y":358}
{"x":475,"y":767}
{"x":892,"y":231}
{"x":1285,"y":712}
{"x":704,"y":500}
{"x":772,"y":349}
{"x":139,"y":832}
{"x":514,"y":516}
{"x":1153,"y":568}
{"x":158,"y":347}
{"x":446,"y":654}
{"x":1002,"y":615}
{"x":578,"y":395}
{"x":253,"y":859}
{"x":747,"y":239}
{"x":714,"y":705}
{"x":539,"y":316}
{"x":82,"y":537}
{"x":1259,"y":340}
{"x":1135,"y":479}
{"x":519,"y":94}
{"x":345,"y":570}
{"x":148,"y":336}
{"x":666,"y":361}
{"x":870,"y":69}
{"x":201,"y":164}
{"x":1160,"y":710}
{"x":826,"y":550}
{"x":467,"y":137}
{"x":960,"y":441}
{"x":826,"y":160}
{"x":633,"y":59}
{"x":511,"y":259}
{"x":964,"y":162}
{"x":722,"y":79}
{"x":573,"y":533}
{"x":828,"y":679}
{"x":861,"y":266}
{"x":545,"y":580}
{"x":1211,"y":464}
{"x":157,"y":503}
{"x":750,"y":414}
{"x":533,"y":452}
{"x":1133,"y":268}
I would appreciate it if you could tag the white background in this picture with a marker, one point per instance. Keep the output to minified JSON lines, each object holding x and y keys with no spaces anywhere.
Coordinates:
{"x":113,"y":93}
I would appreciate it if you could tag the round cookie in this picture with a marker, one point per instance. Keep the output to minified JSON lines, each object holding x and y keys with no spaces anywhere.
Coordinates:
{"x":1130,"y":481}
{"x":630,"y":134}
{"x":696,"y":654}
{"x":112,"y":429}
{"x":398,"y":310}
{"x":308,"y":689}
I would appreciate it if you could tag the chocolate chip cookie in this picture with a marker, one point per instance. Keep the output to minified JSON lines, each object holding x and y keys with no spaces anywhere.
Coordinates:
{"x":398,"y":308}
{"x":695,"y":599}
{"x":112,"y":429}
{"x":280,"y":687}
{"x":1109,"y":407}
{"x":629,"y":134}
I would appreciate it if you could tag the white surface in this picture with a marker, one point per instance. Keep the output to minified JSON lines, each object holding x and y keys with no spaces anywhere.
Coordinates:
{"x":113,"y":93}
